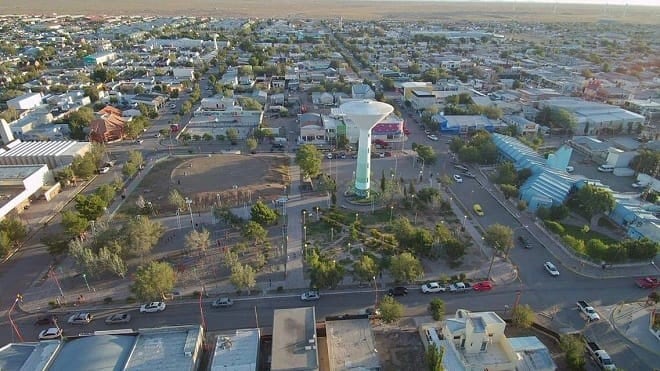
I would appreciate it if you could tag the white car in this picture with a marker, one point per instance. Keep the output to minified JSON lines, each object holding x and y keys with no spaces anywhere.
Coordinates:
{"x":551,"y":269}
{"x":433,"y":137}
{"x":153,"y":307}
{"x":157,"y":135}
{"x":104,"y":170}
{"x":458,"y":178}
{"x":80,"y":318}
{"x":310,"y":296}
{"x":50,"y":333}
{"x":433,"y":287}
{"x":639,"y":184}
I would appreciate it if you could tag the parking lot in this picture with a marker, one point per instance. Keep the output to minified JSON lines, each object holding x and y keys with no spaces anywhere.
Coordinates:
{"x":589,"y":169}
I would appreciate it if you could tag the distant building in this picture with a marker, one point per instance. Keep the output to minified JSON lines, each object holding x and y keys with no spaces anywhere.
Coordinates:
{"x":54,"y":154}
{"x":100,"y":58}
{"x":461,"y":125}
{"x":25,"y":101}
{"x":108,"y":127}
{"x":595,"y":118}
{"x":362,"y":91}
{"x":20,"y":182}
{"x":294,"y":340}
{"x":523,"y":126}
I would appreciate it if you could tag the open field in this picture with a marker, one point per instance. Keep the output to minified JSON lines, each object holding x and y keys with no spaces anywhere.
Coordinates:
{"x":405,"y":10}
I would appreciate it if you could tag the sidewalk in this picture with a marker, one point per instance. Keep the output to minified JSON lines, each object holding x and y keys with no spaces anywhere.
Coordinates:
{"x":633,"y":321}
{"x":561,"y":252}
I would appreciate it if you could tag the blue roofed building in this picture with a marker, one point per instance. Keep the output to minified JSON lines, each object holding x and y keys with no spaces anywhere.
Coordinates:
{"x":637,"y":216}
{"x":462,"y":124}
{"x":549,"y":184}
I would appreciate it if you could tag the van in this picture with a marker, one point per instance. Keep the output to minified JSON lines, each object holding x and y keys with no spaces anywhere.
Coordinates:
{"x":606,"y":168}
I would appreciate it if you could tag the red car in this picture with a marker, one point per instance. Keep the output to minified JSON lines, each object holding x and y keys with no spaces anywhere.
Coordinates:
{"x":482,"y":286}
{"x":647,"y":282}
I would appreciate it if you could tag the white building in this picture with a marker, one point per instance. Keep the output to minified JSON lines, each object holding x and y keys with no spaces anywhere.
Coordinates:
{"x":18,"y":183}
{"x":422,"y":99}
{"x":54,"y":154}
{"x":595,"y":118}
{"x":184,"y":73}
{"x":25,"y":101}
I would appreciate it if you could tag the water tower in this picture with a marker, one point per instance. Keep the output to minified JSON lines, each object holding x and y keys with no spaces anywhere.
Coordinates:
{"x":365,"y":114}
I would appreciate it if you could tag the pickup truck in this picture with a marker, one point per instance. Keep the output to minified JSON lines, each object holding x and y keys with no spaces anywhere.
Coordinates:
{"x":588,"y":310}
{"x":460,"y":287}
{"x":647,"y":282}
{"x":601,"y":357}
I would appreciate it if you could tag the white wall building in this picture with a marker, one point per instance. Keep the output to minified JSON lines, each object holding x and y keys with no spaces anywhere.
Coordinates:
{"x":25,"y":101}
{"x":54,"y":154}
{"x":18,"y":183}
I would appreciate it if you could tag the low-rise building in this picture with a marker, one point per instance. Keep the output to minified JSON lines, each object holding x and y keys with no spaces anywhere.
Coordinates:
{"x":351,"y":345}
{"x":25,"y":101}
{"x":100,"y":58}
{"x":236,"y":352}
{"x":54,"y":154}
{"x":294,"y":340}
{"x":20,"y":182}
{"x":460,"y":125}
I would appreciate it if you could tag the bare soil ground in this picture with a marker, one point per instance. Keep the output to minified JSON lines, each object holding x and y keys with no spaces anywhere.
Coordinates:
{"x":209,"y":180}
{"x":442,"y":11}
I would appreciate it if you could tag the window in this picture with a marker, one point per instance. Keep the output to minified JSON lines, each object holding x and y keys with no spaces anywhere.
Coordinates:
{"x":483,"y":346}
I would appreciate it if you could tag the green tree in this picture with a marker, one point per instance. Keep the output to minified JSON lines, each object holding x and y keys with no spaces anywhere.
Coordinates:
{"x":522,"y":316}
{"x":324,"y":273}
{"x":390,"y":309}
{"x":135,"y":157}
{"x":92,"y":92}
{"x":5,"y":244}
{"x":434,"y":357}
{"x":455,"y":251}
{"x":365,"y":268}
{"x":141,"y":235}
{"x":642,"y":249}
{"x":198,"y":240}
{"x":56,"y":244}
{"x":106,"y":192}
{"x":84,"y":166}
{"x":111,"y":261}
{"x":153,"y":280}
{"x":15,"y":229}
{"x":308,"y":158}
{"x":647,"y":162}
{"x":254,"y":231}
{"x":176,"y":199}
{"x":426,"y":153}
{"x":593,"y":201}
{"x":74,"y":224}
{"x":243,"y":277}
{"x":251,"y":144}
{"x":136,"y":126}
{"x":574,"y":347}
{"x":506,"y":173}
{"x":250,"y":104}
{"x":405,"y":267}
{"x":499,"y":236}
{"x":262,"y":214}
{"x":90,"y":207}
{"x":79,"y":120}
{"x":437,"y":309}
{"x":232,"y":135}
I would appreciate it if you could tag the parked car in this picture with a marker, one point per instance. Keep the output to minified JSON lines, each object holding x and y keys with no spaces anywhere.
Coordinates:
{"x":606,"y":168}
{"x":398,"y":291}
{"x":371,"y":312}
{"x":157,"y":135}
{"x":50,"y":333}
{"x":139,"y":141}
{"x":483,"y":286}
{"x":433,"y":137}
{"x":524,"y":242}
{"x":153,"y":307}
{"x":104,"y":170}
{"x":639,"y":184}
{"x":46,"y":320}
{"x":460,"y":287}
{"x":310,"y":295}
{"x":458,"y":178}
{"x":647,"y":282}
{"x":551,"y":269}
{"x":478,"y":210}
{"x":223,"y":302}
{"x":570,"y":169}
{"x":80,"y":318}
{"x":432,"y":287}
{"x":118,"y":318}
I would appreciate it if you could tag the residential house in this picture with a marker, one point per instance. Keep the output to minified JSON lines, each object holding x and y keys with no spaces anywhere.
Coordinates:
{"x":109,"y":127}
{"x":362,"y":91}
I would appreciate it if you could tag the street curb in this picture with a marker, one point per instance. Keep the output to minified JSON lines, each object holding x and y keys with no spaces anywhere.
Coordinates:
{"x":616,"y":328}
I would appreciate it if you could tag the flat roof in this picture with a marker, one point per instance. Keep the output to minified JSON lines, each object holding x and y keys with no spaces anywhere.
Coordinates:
{"x":18,"y":172}
{"x":294,"y":339}
{"x":105,"y":352}
{"x":351,"y":345}
{"x":13,"y":356}
{"x":167,"y":348}
{"x":54,"y":148}
{"x":237,"y":352}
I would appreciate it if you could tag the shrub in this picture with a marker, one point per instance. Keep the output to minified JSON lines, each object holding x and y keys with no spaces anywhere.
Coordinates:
{"x":576,"y":244}
{"x":107,"y":300}
{"x":522,"y":316}
{"x":554,"y":227}
{"x":437,"y":309}
{"x":130,"y":300}
{"x":280,"y":288}
{"x":521,"y":205}
{"x":54,"y":304}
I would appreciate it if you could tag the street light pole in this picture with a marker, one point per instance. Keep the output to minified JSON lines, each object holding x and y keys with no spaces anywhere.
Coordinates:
{"x":189,"y":202}
{"x":84,"y":276}
{"x":492,"y":260}
{"x":375,"y":293}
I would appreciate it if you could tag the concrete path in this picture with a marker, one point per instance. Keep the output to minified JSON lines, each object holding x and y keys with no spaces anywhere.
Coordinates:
{"x":633,"y":321}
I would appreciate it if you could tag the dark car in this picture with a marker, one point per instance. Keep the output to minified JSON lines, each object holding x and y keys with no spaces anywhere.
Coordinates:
{"x":524,"y":242}
{"x":46,"y":320}
{"x":398,"y":291}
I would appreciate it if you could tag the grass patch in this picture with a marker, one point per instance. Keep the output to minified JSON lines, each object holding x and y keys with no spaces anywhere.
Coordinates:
{"x":579,"y":233}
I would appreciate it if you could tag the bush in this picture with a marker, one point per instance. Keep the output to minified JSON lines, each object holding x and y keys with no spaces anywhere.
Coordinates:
{"x":522,"y":316}
{"x":280,"y":289}
{"x":107,"y":300}
{"x":437,"y":309}
{"x":554,"y":227}
{"x":576,"y":244}
{"x":521,"y":205}
{"x":574,"y":348}
{"x":130,"y":300}
{"x":54,"y":304}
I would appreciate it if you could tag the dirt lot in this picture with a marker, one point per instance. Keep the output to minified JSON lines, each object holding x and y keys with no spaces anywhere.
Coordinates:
{"x":211,"y":180}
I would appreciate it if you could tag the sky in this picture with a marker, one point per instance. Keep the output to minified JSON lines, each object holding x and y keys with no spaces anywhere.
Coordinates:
{"x":594,"y":2}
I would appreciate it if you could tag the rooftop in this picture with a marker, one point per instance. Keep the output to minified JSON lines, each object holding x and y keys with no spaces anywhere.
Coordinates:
{"x":169,"y":348}
{"x":17,"y":172}
{"x":531,"y":354}
{"x":107,"y":352}
{"x":55,"y":148}
{"x":351,"y":345}
{"x":237,"y":352}
{"x":494,"y":356}
{"x":294,"y":339}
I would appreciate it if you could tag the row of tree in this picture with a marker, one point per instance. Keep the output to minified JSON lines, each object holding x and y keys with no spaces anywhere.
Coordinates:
{"x":12,"y":233}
